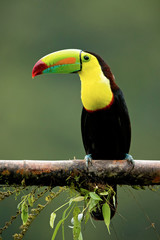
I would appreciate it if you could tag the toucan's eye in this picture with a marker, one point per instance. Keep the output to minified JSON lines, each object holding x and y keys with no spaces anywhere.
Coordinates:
{"x":86,"y":58}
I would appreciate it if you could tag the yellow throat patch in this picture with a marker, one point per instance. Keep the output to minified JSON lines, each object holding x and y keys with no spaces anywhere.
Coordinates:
{"x":96,"y":91}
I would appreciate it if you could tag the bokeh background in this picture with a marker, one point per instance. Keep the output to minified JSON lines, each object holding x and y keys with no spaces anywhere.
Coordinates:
{"x":40,"y":118}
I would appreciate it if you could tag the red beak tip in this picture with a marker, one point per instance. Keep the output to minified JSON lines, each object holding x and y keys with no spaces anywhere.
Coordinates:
{"x":38,"y":68}
{"x":33,"y":73}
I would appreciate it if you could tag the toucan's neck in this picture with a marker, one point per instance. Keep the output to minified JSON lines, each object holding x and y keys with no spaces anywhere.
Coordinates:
{"x":96,"y":91}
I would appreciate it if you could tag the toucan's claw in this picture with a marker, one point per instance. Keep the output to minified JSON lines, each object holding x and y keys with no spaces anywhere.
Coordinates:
{"x":129,"y":158}
{"x":88,"y":159}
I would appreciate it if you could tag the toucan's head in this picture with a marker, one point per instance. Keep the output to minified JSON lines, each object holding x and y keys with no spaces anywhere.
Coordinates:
{"x":94,"y":73}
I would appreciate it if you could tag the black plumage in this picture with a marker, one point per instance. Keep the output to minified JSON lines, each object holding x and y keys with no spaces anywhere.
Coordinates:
{"x":106,"y":133}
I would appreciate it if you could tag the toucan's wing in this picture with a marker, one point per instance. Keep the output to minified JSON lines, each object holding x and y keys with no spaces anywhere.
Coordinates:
{"x":124,"y":120}
{"x":85,"y":137}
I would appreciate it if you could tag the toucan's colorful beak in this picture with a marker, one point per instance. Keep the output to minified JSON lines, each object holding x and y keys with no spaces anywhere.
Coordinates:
{"x":64,"y":61}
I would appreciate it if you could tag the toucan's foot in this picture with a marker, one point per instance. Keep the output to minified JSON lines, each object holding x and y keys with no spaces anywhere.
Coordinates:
{"x":88,"y":159}
{"x":129,"y":158}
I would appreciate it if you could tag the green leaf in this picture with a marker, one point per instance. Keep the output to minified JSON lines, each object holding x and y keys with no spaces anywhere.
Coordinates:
{"x":78,"y":199}
{"x":77,"y":224}
{"x":104,"y":193}
{"x":106,"y":215}
{"x":52,"y":219}
{"x":63,"y":217}
{"x":114,"y":201}
{"x":57,"y":228}
{"x":80,"y":236}
{"x":92,"y":203}
{"x":87,"y":217}
{"x":95,"y":196}
{"x":24,"y":212}
{"x":61,"y":221}
{"x":19,"y":205}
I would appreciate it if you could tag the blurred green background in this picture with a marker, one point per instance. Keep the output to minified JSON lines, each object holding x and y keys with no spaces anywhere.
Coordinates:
{"x":40,"y":118}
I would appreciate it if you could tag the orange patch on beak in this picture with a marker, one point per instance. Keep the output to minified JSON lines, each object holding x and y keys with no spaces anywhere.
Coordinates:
{"x":69,"y":60}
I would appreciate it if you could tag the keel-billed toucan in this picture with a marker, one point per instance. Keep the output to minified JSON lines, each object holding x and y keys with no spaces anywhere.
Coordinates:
{"x":105,"y":122}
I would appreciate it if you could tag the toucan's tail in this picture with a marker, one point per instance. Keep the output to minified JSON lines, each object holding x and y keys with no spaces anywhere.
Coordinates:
{"x":97,"y":214}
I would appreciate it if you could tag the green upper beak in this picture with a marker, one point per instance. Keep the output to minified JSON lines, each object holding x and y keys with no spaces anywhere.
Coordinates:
{"x":64,"y":61}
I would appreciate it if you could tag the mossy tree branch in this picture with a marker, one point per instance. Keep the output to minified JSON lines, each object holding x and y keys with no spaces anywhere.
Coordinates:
{"x":63,"y":173}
